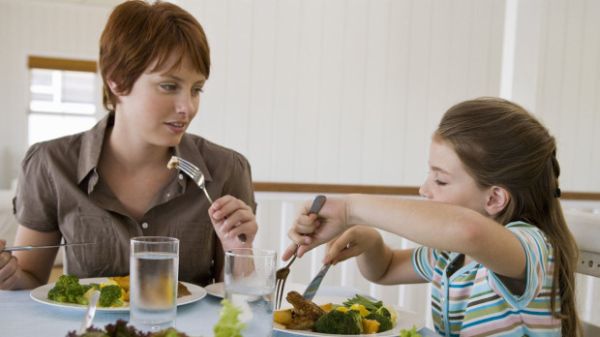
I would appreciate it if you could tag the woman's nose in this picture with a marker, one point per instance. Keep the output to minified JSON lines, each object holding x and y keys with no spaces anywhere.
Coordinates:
{"x":186,"y":104}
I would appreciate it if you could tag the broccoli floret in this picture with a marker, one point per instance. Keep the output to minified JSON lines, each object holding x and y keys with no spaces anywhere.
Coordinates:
{"x":383,"y":311}
{"x":68,"y":290}
{"x":110,"y":296}
{"x":385,"y":323}
{"x":337,"y":322}
{"x":369,"y":305}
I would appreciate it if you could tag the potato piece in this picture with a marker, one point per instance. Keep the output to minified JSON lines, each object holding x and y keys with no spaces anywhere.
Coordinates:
{"x":370,"y":326}
{"x":283,"y":316}
{"x":327,"y":307}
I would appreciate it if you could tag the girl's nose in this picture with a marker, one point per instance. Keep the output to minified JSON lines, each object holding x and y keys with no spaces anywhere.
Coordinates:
{"x":423,"y":191}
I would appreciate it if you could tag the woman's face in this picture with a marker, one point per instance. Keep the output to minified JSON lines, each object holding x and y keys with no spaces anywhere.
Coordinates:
{"x":449,"y":182}
{"x":161,"y":104}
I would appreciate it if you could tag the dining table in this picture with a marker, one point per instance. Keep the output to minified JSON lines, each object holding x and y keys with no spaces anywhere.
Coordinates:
{"x":20,"y":315}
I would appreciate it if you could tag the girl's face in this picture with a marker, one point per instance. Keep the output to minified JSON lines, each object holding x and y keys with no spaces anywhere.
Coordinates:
{"x":449,"y":182}
{"x":161,"y":104}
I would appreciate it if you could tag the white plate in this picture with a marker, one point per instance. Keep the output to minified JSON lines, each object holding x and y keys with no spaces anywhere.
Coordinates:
{"x":40,"y":294}
{"x":406,"y":320}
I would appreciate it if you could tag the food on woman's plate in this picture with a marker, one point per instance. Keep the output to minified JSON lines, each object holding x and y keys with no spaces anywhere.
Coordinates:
{"x":113,"y":293}
{"x":357,"y":315}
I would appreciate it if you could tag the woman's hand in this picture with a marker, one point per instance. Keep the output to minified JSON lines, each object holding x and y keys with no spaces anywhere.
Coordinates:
{"x":310,"y":230}
{"x":230,"y":218}
{"x":8,"y":269}
{"x":351,"y":243}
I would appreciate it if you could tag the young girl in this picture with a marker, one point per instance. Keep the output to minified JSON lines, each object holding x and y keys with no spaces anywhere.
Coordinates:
{"x":111,"y":183}
{"x":495,"y":245}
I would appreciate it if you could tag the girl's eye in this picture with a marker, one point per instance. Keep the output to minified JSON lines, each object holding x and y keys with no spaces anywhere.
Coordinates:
{"x":440,"y":183}
{"x":168,"y":86}
{"x":197,"y":91}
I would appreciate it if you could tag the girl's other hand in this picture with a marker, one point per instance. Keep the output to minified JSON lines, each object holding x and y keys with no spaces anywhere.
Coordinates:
{"x":310,"y":230}
{"x":351,"y":243}
{"x":230,"y":218}
{"x":8,"y":268}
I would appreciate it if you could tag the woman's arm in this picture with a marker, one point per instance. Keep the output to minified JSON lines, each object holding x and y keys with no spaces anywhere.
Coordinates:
{"x":29,"y":269}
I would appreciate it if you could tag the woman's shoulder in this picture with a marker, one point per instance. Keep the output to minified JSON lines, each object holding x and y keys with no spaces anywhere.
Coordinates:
{"x":59,"y":149}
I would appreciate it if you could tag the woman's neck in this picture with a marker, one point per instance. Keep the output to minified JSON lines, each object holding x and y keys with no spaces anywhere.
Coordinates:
{"x":132,"y":154}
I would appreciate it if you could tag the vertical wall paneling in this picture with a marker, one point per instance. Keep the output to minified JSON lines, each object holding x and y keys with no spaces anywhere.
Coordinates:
{"x":352,"y":102}
{"x":395,"y":110}
{"x":376,"y":60}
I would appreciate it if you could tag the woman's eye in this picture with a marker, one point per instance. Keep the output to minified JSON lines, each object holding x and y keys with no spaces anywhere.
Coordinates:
{"x":440,"y":183}
{"x":168,"y":86}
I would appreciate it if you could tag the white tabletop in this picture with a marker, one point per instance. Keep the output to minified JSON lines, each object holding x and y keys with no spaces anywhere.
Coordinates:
{"x":22,"y":316}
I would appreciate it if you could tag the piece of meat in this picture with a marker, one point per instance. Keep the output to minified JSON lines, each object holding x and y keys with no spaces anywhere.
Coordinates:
{"x":301,"y":323}
{"x":303,"y":307}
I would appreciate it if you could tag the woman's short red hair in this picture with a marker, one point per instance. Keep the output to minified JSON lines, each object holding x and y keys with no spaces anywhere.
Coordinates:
{"x":139,"y":34}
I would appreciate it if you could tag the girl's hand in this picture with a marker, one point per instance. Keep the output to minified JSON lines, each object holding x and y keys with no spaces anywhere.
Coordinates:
{"x":351,"y":243}
{"x":8,"y":269}
{"x":230,"y":218}
{"x":310,"y":230}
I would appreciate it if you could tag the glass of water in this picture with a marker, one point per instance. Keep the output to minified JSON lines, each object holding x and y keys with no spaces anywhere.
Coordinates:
{"x":250,"y":286}
{"x":153,"y":267}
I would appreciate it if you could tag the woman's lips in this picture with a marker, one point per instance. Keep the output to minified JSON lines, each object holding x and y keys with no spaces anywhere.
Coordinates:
{"x":176,"y":127}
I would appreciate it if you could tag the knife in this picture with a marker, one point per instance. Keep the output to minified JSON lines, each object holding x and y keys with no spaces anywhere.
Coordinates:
{"x":313,"y":286}
{"x":17,"y":248}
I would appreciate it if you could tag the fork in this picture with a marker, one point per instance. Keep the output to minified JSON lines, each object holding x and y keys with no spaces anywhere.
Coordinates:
{"x":197,"y":176}
{"x":282,"y":273}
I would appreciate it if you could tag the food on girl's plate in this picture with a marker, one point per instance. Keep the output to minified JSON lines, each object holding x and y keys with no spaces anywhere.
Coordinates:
{"x":113,"y":293}
{"x":357,"y":315}
{"x":173,"y":163}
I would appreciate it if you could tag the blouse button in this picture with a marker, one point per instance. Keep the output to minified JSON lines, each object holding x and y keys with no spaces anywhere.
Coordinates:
{"x":168,"y":195}
{"x":180,"y":176}
{"x":145,"y":225}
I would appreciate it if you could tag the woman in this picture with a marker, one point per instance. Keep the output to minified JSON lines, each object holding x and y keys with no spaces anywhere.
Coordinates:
{"x":111,"y":183}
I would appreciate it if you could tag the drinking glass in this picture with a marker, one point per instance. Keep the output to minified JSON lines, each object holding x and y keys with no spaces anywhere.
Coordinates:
{"x":154,"y":266}
{"x":250,"y":286}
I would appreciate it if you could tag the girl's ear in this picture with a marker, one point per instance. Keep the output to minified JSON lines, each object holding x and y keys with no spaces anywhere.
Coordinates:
{"x":497,"y":200}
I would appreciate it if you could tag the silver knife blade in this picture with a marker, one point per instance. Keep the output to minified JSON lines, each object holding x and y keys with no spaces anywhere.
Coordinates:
{"x":17,"y":248}
{"x":313,"y":286}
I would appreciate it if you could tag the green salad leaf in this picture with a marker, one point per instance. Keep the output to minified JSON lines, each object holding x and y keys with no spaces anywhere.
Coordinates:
{"x":369,"y":305}
{"x":229,"y":324}
{"x":410,"y":333}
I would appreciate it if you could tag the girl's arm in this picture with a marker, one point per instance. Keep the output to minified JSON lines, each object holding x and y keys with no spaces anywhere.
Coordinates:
{"x":445,"y":227}
{"x":376,"y":261}
{"x":29,"y":269}
{"x":433,"y":224}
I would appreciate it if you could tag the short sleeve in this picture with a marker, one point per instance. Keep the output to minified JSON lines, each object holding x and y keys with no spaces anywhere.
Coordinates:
{"x":35,"y":202}
{"x":537,"y":258}
{"x":423,"y":260}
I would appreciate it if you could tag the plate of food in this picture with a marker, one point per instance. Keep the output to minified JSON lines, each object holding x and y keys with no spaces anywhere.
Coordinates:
{"x":73,"y":293}
{"x":356,"y":316}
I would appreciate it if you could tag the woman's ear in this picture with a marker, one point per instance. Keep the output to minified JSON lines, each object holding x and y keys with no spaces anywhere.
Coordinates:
{"x":114,"y":88}
{"x":497,"y":200}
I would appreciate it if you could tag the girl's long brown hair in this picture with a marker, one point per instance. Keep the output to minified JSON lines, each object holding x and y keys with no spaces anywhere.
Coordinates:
{"x":501,"y":144}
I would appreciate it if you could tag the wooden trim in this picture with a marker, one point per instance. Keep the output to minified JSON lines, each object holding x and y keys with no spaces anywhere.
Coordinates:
{"x":375,"y":189}
{"x":61,"y":64}
{"x":331,"y":188}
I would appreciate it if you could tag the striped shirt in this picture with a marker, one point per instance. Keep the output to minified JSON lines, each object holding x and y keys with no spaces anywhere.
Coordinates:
{"x":473,"y":301}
